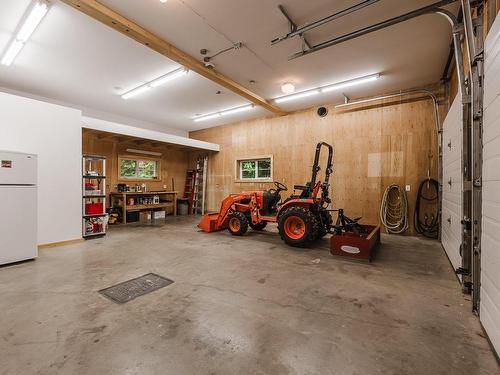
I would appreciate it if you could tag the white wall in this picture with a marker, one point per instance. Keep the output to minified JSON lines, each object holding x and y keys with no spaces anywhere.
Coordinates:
{"x":54,"y":133}
{"x":490,"y":254}
{"x":451,"y":235}
{"x":105,"y":116}
{"x":113,"y":127}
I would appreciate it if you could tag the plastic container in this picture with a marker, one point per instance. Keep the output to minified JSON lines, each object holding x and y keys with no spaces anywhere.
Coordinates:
{"x":132,"y":216}
{"x":94,"y":208}
{"x":182,"y":206}
{"x":159,"y":215}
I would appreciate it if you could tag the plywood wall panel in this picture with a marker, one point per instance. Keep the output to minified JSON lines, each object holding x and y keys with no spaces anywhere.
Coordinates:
{"x":374,"y":147}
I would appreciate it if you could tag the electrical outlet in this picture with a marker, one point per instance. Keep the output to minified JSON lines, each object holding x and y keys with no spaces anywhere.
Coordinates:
{"x":164,"y":186}
{"x":408,"y":187}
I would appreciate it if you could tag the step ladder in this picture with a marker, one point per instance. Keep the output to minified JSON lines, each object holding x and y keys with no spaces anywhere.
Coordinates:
{"x":200,"y":186}
{"x":189,"y":188}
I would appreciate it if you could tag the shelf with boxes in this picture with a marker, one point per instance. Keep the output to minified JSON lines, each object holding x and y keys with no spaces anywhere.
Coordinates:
{"x":133,"y":205}
{"x":94,"y":216}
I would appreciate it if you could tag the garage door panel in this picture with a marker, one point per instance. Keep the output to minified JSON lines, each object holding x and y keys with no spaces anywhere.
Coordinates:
{"x":491,"y":147}
{"x":452,"y":199}
{"x":491,"y":210}
{"x":490,"y":129}
{"x":490,"y":239}
{"x":453,"y":205}
{"x":491,"y":92}
{"x":451,"y":236}
{"x":491,"y":168}
{"x":452,"y":228}
{"x":489,"y":314}
{"x":491,"y":44}
{"x":491,"y":192}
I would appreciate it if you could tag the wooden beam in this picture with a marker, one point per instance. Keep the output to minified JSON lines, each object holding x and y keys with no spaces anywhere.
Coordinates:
{"x":131,"y":29}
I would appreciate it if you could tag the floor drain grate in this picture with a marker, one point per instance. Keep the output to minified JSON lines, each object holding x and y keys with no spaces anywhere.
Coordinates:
{"x":128,"y":290}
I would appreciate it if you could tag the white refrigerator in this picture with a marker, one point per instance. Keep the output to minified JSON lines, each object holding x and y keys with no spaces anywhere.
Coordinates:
{"x":18,"y":207}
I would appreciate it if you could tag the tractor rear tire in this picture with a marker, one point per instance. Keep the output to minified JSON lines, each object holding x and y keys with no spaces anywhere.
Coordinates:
{"x":297,"y":226}
{"x":237,"y":224}
{"x":258,"y":226}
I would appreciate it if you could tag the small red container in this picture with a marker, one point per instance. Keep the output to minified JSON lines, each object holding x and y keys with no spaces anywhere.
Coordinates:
{"x":355,"y":245}
{"x":94,"y":208}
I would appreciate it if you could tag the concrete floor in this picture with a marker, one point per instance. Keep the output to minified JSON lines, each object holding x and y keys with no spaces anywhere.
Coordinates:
{"x":247,"y":305}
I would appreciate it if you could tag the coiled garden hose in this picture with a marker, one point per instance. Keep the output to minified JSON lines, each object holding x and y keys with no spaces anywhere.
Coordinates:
{"x":430,"y":226}
{"x":394,"y":209}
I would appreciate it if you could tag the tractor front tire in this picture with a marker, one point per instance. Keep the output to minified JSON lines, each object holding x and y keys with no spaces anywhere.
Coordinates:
{"x":237,"y":224}
{"x":297,"y":226}
{"x":258,"y":226}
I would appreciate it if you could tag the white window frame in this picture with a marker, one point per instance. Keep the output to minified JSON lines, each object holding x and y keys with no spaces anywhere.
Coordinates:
{"x":239,"y":170}
{"x":157,"y":176}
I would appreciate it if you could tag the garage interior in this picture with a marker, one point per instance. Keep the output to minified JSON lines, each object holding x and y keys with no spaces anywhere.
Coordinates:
{"x":279,"y":187}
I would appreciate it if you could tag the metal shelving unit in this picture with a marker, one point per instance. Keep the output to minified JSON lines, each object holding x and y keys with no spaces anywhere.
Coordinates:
{"x":94,"y":216}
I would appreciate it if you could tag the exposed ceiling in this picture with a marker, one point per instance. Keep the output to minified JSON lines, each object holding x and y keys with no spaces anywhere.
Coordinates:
{"x":75,"y":59}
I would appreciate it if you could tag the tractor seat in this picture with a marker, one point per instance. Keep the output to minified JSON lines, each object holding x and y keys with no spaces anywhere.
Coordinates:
{"x":305,"y":190}
{"x":300,"y":187}
{"x":271,"y":199}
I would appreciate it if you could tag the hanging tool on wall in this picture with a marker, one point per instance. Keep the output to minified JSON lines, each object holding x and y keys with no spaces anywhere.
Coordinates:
{"x":394,"y":209}
{"x":426,"y":219}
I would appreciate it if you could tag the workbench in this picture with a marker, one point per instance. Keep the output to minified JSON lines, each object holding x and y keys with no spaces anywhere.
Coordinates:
{"x":124,"y":197}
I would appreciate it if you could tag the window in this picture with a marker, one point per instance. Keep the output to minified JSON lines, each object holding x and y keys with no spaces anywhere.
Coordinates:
{"x":255,"y":169}
{"x":138,"y":169}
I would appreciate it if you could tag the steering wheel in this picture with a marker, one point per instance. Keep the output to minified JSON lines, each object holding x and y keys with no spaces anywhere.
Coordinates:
{"x":280,"y":186}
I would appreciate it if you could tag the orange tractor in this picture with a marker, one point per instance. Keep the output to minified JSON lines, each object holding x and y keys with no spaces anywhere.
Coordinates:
{"x":302,"y":218}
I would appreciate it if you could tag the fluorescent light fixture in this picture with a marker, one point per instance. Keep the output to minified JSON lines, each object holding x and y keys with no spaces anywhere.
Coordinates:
{"x":328,"y":88}
{"x":15,"y":47}
{"x":38,"y":11}
{"x":207,"y":117}
{"x":225,"y":112}
{"x":139,"y":90}
{"x":168,"y":77}
{"x":299,"y":95}
{"x":236,"y":110}
{"x":352,"y":82}
{"x":156,"y":82}
{"x":135,"y":151}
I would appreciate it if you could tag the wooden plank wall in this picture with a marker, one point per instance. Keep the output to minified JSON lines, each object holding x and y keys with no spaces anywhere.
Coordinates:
{"x":174,"y":161}
{"x":374,"y":147}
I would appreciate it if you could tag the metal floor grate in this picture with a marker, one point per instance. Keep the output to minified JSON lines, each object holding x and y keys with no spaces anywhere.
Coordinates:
{"x":131,"y":289}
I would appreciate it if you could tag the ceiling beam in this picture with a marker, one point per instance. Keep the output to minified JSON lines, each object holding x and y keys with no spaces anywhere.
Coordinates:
{"x":131,"y":29}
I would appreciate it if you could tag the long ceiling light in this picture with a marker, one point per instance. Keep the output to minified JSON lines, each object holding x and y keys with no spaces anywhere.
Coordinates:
{"x":155,"y":83}
{"x":328,"y":88}
{"x":299,"y":95}
{"x":226,"y":112}
{"x":350,"y":83}
{"x":135,"y":151}
{"x":38,"y":11}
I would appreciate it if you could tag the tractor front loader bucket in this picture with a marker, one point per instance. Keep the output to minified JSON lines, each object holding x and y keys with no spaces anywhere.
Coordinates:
{"x":208,"y":223}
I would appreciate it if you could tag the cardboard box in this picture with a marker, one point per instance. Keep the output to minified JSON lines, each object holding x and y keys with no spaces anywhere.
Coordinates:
{"x":145,"y":216}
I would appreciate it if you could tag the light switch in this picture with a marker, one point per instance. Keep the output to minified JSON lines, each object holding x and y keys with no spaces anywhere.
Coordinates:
{"x":408,"y":187}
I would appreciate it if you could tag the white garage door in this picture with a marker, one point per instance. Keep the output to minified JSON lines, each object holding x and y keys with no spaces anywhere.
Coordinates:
{"x":490,"y":254}
{"x":451,"y":235}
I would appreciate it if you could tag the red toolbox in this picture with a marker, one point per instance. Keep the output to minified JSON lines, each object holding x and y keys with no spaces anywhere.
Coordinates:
{"x":357,"y":245}
{"x":94,"y":208}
